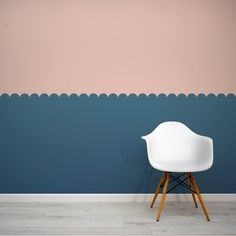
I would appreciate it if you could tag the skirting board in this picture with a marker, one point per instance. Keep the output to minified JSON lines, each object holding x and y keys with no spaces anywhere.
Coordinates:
{"x":107,"y":197}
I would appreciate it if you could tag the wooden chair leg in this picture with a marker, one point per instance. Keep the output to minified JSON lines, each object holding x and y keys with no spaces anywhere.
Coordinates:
{"x":158,"y":188}
{"x":163,"y":196}
{"x":191,"y":187}
{"x":199,"y":196}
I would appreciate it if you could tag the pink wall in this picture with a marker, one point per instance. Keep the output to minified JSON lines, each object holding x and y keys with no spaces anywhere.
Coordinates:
{"x":117,"y":46}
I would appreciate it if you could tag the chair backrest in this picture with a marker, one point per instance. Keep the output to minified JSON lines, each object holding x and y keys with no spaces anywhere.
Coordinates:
{"x":173,"y":141}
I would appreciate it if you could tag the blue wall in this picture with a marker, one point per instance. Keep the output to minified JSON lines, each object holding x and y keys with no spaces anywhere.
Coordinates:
{"x":91,"y":144}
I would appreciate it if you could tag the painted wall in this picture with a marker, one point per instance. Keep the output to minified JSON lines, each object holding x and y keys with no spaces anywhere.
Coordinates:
{"x":117,"y":46}
{"x":92,"y":144}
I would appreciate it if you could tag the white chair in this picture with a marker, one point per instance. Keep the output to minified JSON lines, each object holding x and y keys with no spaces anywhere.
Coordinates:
{"x":173,"y":147}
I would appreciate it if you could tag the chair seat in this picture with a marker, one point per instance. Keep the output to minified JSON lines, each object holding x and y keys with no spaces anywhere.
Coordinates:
{"x":179,"y":166}
{"x":173,"y":147}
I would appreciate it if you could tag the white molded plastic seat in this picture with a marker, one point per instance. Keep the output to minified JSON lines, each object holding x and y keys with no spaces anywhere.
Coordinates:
{"x":173,"y":147}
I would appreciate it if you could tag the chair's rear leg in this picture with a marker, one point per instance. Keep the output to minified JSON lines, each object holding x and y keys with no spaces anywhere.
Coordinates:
{"x":191,"y":187}
{"x":199,"y":196}
{"x":163,"y":196}
{"x":158,"y":188}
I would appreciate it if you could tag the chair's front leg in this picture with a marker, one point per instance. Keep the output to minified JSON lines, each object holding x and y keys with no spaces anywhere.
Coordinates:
{"x":163,"y":196}
{"x":199,"y":196}
{"x":158,"y":188}
{"x":191,"y":187}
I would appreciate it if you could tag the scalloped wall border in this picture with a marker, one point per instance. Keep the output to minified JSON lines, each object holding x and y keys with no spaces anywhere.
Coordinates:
{"x":47,"y":122}
{"x":122,"y":95}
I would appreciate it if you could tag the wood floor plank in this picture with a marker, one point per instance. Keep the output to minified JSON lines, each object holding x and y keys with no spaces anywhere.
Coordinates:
{"x":180,"y":218}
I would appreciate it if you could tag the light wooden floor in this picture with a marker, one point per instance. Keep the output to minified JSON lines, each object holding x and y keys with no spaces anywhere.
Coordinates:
{"x":178,"y":218}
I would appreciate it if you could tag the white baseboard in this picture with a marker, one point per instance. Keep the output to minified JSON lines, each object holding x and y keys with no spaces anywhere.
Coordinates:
{"x":107,"y":197}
